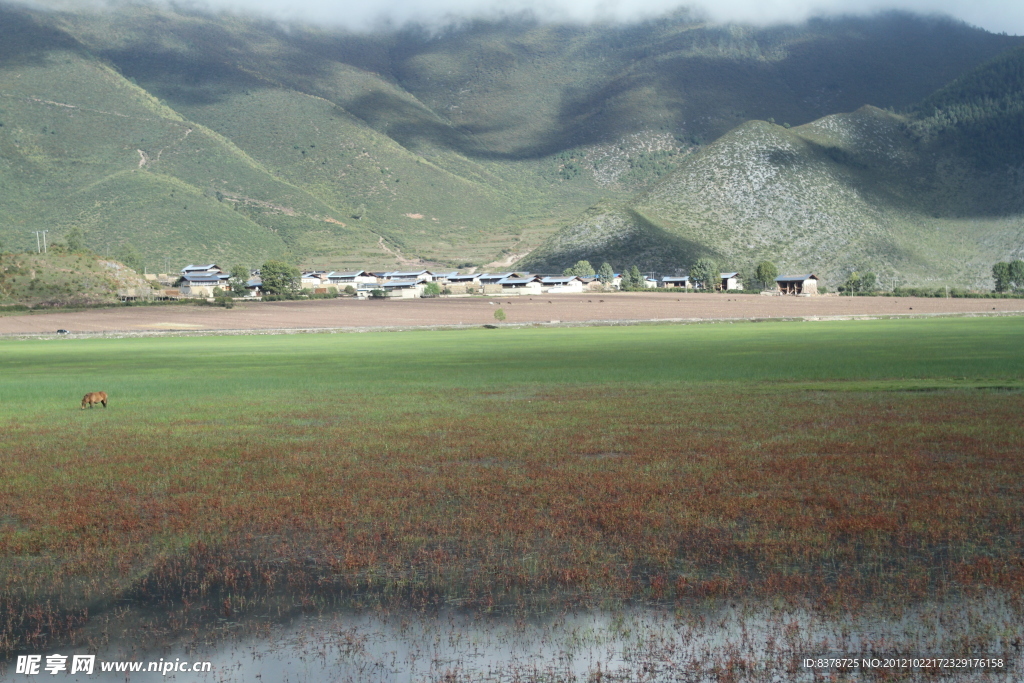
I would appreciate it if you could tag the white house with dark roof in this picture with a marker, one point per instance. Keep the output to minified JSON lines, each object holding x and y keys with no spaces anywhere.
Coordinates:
{"x":314,"y":279}
{"x":520,"y":285}
{"x":444,"y":278}
{"x":495,"y":278}
{"x":202,"y":283}
{"x":351,"y":277}
{"x":470,"y":279}
{"x":409,"y":288}
{"x":681,"y":282}
{"x":563,"y":284}
{"x":468,"y":283}
{"x":730,"y":281}
{"x":424,"y":275}
{"x":211,"y":268}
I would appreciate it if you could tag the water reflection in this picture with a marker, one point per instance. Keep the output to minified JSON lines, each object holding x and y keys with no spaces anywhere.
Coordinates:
{"x":730,"y":642}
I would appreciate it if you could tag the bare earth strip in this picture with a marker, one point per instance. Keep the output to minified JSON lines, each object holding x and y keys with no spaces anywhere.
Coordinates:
{"x":350,"y":314}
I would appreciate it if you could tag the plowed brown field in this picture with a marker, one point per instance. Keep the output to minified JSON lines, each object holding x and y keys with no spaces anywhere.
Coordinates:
{"x":618,"y":307}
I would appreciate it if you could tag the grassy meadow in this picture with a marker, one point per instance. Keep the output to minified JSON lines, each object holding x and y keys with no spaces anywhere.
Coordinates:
{"x":826,"y":465}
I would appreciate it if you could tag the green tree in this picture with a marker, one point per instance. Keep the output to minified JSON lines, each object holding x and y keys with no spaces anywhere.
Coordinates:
{"x":852,"y":285}
{"x":349,"y":290}
{"x":75,"y":239}
{"x":706,"y":272}
{"x":581,"y":269}
{"x":499,"y":315}
{"x":1016,"y":272}
{"x":1001,"y":274}
{"x":868,"y":282}
{"x":279,"y":278}
{"x":606,"y":274}
{"x":432,"y":289}
{"x":632,"y":279}
{"x":239,"y":276}
{"x":766,"y":274}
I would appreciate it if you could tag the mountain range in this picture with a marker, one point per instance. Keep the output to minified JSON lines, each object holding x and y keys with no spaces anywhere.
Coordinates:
{"x":889,"y":143}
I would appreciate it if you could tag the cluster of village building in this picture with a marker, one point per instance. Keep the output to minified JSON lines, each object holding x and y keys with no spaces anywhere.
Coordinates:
{"x":202,"y":280}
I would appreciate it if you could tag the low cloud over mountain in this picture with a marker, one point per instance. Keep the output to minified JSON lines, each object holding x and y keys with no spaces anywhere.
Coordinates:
{"x":997,"y":16}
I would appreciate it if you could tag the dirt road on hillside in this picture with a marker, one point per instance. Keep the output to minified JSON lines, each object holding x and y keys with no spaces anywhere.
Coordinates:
{"x":353,"y":314}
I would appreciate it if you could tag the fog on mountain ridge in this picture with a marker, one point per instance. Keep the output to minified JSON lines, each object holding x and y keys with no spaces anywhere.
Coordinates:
{"x":992,"y":15}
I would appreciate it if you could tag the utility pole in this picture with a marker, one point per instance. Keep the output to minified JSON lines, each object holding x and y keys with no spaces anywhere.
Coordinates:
{"x":43,"y":249}
{"x":37,"y":241}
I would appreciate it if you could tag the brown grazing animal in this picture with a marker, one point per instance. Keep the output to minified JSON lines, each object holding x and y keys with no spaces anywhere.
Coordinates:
{"x":94,"y":397}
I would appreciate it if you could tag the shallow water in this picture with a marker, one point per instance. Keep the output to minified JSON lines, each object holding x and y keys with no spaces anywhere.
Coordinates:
{"x":735,"y":643}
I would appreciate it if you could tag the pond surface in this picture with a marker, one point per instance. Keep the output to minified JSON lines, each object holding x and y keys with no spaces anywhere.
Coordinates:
{"x":726,"y":643}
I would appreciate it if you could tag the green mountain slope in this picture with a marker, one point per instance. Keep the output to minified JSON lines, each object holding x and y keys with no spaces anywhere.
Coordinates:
{"x":848,"y":192}
{"x":82,"y":146}
{"x":215,"y":137}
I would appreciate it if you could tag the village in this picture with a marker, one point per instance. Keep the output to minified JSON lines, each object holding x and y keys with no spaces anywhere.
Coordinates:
{"x":210,"y":280}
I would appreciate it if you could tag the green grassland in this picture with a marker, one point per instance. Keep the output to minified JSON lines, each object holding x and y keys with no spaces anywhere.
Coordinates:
{"x":824,"y":464}
{"x":327,"y":147}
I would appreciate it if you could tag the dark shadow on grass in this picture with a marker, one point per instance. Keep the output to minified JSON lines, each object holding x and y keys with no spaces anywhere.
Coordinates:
{"x":186,"y":79}
{"x":25,"y":39}
{"x":642,"y":243}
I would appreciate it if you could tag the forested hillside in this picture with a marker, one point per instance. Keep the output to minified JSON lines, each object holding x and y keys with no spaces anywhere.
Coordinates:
{"x":980,"y":115}
{"x":202,"y":137}
{"x":931,"y":196}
